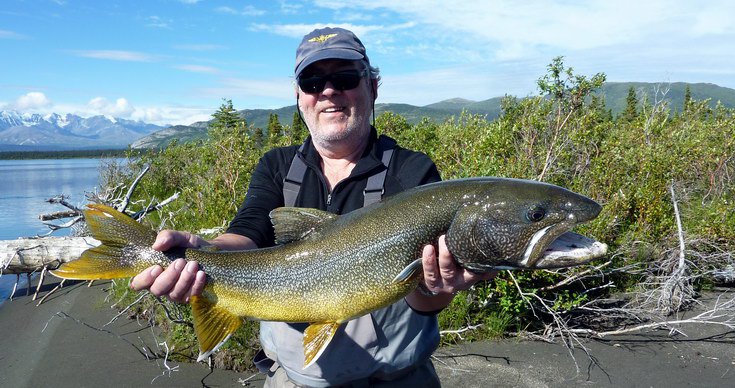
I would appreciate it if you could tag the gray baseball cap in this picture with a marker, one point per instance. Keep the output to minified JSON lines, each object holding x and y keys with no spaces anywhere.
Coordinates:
{"x":328,"y":43}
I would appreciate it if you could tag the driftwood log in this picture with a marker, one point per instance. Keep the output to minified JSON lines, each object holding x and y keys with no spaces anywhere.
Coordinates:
{"x":26,"y":255}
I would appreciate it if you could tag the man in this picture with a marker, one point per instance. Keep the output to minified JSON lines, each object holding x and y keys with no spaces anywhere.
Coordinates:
{"x":336,"y":91}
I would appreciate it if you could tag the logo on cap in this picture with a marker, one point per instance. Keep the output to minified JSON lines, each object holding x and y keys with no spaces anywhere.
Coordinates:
{"x":322,"y":38}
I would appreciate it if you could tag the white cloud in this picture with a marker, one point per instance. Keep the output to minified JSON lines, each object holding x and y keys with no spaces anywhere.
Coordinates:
{"x":225,"y":9}
{"x":120,"y":108}
{"x":36,"y":102}
{"x":5,"y":34}
{"x":471,"y":81}
{"x":508,"y":29}
{"x":159,"y":22}
{"x":290,"y":8}
{"x":281,"y":88}
{"x":248,"y":10}
{"x":299,"y":30}
{"x":199,"y":47}
{"x":116,"y":55}
{"x":713,"y":20}
{"x":173,"y":115}
{"x":32,"y":101}
{"x":198,"y":69}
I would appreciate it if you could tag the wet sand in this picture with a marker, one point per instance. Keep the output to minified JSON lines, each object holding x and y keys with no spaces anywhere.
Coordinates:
{"x":64,"y":342}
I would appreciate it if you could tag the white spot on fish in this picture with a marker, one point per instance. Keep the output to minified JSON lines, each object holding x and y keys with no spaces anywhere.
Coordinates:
{"x":297,"y":255}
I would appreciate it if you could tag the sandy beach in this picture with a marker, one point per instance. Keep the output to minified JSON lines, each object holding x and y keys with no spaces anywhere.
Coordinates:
{"x":64,"y":342}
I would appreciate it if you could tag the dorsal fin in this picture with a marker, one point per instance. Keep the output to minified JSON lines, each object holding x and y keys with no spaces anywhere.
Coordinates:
{"x":296,"y":223}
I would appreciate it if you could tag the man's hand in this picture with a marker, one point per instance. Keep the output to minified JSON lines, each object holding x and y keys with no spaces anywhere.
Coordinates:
{"x":180,"y":280}
{"x":443,"y":277}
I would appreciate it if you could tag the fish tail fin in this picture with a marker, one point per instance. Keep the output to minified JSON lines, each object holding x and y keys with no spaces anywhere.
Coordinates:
{"x":316,"y":339}
{"x":213,"y":325}
{"x":124,"y":243}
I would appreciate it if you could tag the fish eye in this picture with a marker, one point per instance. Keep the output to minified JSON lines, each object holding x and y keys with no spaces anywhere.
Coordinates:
{"x":536,"y":214}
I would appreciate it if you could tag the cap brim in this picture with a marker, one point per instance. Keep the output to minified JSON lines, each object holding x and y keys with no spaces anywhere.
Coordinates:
{"x":333,"y":53}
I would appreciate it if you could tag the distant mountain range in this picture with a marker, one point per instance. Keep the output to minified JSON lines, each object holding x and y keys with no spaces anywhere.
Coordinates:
{"x":54,"y":132}
{"x":34,"y":132}
{"x":615,"y":94}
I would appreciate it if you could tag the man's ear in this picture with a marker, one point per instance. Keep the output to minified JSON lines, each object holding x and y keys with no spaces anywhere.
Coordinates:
{"x":374,"y":83}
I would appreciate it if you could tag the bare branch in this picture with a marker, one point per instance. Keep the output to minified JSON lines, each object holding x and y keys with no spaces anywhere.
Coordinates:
{"x":576,"y":277}
{"x":124,"y":205}
{"x":151,"y":208}
{"x":459,"y":332}
{"x":123,"y":311}
{"x":61,"y":200}
{"x":58,"y":215}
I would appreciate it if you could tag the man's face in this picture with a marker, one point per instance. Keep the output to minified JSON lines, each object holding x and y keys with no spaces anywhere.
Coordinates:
{"x":335,"y":115}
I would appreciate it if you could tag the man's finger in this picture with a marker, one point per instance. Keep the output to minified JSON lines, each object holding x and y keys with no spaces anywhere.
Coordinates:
{"x":165,"y":240}
{"x":431,"y":268}
{"x":199,"y":282}
{"x":182,"y":289}
{"x":447,"y":266}
{"x":167,"y":279}
{"x":144,"y":279}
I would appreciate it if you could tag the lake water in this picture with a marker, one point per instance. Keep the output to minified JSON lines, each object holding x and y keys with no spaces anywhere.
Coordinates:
{"x":25,"y":185}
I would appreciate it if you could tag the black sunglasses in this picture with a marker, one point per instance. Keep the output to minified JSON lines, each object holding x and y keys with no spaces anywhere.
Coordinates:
{"x":343,"y":80}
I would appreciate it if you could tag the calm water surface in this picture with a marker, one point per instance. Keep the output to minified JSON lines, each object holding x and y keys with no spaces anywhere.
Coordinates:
{"x":25,"y":185}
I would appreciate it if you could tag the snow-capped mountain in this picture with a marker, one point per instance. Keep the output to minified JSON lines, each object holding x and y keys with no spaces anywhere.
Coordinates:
{"x":54,"y":131}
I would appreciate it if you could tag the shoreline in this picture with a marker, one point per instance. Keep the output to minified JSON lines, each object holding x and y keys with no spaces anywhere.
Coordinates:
{"x":65,"y":341}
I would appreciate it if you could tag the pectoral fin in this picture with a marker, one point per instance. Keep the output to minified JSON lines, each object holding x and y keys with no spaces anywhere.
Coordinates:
{"x":408,"y":273}
{"x":213,"y":325}
{"x":316,"y":338}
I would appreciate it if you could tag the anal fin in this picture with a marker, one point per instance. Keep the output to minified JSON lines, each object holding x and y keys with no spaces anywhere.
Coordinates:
{"x":316,"y":338}
{"x":213,"y":325}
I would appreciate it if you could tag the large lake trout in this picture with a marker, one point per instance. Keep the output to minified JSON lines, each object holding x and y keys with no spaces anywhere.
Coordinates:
{"x":328,"y":269}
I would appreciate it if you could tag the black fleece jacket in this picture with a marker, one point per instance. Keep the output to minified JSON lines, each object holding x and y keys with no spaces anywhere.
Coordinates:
{"x":407,"y":169}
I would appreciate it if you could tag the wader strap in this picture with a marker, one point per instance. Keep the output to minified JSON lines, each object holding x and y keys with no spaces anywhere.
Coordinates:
{"x":373,"y":189}
{"x":294,"y":178}
{"x":375,"y":185}
{"x":262,"y":362}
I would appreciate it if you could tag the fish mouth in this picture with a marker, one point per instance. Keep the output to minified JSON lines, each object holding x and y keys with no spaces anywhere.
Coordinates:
{"x":570,"y":249}
{"x":566,"y":250}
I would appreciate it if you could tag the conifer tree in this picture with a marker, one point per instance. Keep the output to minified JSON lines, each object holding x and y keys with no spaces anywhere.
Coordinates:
{"x":631,"y":106}
{"x":226,"y":119}
{"x":258,"y":137}
{"x":274,"y":126}
{"x":687,"y":98}
{"x":298,"y":128}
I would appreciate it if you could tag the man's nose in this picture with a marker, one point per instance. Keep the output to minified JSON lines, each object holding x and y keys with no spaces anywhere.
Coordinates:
{"x":329,"y":88}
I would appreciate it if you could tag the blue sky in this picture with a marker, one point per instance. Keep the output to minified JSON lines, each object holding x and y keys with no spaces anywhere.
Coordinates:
{"x":172,"y":61}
